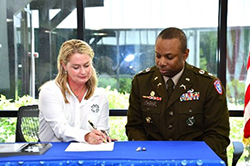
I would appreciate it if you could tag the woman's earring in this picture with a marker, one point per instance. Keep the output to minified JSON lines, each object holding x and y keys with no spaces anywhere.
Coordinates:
{"x":66,"y":72}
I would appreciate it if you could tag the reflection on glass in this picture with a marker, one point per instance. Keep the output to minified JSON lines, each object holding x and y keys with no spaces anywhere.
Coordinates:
{"x":116,"y":29}
{"x":54,"y":22}
{"x":121,"y":28}
{"x":238,"y":51}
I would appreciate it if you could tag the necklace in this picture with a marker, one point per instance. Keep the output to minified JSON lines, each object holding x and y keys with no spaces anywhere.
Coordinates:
{"x":77,"y":96}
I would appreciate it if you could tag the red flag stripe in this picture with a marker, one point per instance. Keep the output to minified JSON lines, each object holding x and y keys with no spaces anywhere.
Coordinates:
{"x":248,"y":61}
{"x":247,"y":96}
{"x":247,"y":113}
{"x":247,"y":103}
{"x":247,"y":130}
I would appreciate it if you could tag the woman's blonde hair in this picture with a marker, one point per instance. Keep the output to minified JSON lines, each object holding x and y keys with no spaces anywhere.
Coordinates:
{"x":67,"y":49}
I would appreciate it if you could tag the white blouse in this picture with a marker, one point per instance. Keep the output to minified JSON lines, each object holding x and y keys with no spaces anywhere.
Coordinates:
{"x":60,"y":121}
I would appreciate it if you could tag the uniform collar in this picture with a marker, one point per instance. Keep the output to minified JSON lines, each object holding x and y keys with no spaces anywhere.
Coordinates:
{"x":176,"y":77}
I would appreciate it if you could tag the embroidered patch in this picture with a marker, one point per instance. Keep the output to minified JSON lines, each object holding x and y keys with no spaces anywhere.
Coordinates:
{"x":95,"y":108}
{"x":217,"y":86}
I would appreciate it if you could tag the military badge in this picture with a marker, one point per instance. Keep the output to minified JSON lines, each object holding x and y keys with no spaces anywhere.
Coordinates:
{"x":150,"y":103}
{"x":190,"y":91}
{"x":217,"y":86}
{"x":95,"y":108}
{"x":152,"y":93}
{"x":147,"y":69}
{"x":190,"y":95}
{"x":152,"y":98}
{"x":183,"y":86}
{"x":148,"y":119}
{"x":159,"y":85}
{"x":190,"y":121}
{"x":202,"y":72}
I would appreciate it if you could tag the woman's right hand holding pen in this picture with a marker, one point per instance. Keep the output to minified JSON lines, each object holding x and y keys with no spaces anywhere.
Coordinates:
{"x":96,"y":137}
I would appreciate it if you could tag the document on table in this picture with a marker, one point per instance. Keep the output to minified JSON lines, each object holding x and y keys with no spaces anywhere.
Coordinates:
{"x":83,"y":147}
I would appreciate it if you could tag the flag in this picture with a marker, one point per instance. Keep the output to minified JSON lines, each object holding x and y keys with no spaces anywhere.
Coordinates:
{"x":246,"y":138}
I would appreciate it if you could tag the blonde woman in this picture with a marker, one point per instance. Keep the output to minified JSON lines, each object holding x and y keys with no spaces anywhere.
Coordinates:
{"x":71,"y":103}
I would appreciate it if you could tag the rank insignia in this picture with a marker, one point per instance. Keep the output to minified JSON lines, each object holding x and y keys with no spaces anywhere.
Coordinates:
{"x":190,"y":95}
{"x":183,"y":86}
{"x":190,"y":121}
{"x":95,"y":108}
{"x":201,"y":71}
{"x":152,"y":98}
{"x":217,"y":86}
{"x":159,"y":85}
{"x":147,"y":69}
{"x":149,"y":120}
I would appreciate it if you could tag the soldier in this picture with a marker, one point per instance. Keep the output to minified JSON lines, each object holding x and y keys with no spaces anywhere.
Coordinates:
{"x":195,"y":110}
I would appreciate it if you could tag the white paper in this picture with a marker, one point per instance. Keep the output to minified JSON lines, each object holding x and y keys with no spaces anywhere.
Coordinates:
{"x":83,"y":147}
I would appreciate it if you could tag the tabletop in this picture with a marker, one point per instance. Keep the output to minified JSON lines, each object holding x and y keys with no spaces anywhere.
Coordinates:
{"x":125,"y":153}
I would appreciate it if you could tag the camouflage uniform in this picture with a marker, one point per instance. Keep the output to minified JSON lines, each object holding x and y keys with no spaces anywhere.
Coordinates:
{"x":197,"y":109}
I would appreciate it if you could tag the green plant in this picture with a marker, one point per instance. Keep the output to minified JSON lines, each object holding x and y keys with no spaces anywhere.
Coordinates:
{"x":7,"y":129}
{"x":8,"y":125}
{"x":117,"y":128}
{"x":117,"y":124}
{"x":116,"y":99}
{"x":235,"y":91}
{"x":10,"y":104}
{"x":107,"y":82}
{"x":236,"y":134}
{"x":123,"y":85}
{"x":5,"y":103}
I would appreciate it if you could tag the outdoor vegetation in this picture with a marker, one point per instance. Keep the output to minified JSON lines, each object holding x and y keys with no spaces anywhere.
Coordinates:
{"x":117,"y":124}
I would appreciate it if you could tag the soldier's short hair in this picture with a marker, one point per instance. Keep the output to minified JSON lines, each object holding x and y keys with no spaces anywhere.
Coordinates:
{"x":172,"y":33}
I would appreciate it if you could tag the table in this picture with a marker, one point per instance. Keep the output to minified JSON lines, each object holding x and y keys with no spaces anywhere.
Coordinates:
{"x":157,"y":153}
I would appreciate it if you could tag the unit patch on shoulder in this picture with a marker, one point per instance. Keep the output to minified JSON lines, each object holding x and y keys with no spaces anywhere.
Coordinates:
{"x":217,"y":86}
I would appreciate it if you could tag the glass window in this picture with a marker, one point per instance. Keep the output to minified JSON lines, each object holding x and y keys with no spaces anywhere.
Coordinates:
{"x":55,"y":22}
{"x":31,"y":35}
{"x":238,"y":43}
{"x":123,"y":33}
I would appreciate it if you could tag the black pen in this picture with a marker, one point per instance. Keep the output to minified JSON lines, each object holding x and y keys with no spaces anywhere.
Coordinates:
{"x":93,"y":126}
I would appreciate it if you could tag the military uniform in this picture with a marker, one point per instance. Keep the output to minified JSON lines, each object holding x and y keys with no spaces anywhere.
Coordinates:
{"x":196,"y":110}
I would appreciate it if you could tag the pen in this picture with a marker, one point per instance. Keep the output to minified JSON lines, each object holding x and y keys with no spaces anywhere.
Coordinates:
{"x":93,"y":126}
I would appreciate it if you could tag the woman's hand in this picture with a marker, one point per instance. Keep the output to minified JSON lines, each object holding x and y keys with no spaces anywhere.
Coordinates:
{"x":96,"y":137}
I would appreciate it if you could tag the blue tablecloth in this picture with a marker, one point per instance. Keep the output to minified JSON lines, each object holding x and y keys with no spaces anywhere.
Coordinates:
{"x":157,"y":153}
